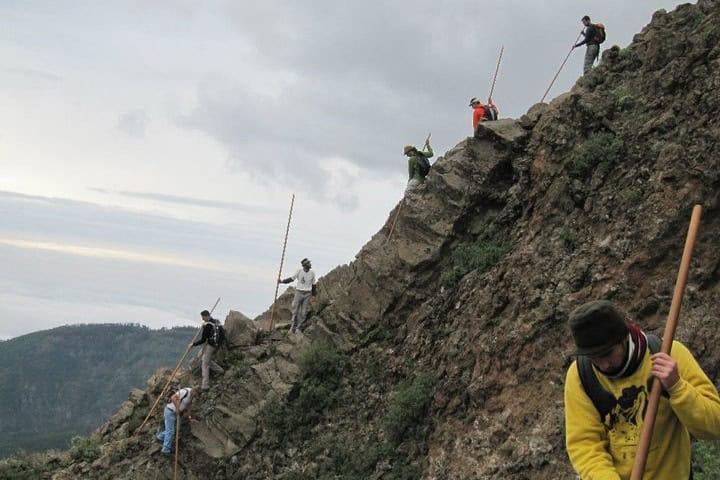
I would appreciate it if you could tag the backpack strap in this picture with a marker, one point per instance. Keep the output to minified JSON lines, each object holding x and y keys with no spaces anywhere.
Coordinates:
{"x":214,"y":339}
{"x":183,"y":394}
{"x":221,"y":335}
{"x":654,"y":342}
{"x":603,"y":400}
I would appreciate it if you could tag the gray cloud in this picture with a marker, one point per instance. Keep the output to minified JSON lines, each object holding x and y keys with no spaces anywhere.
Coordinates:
{"x":197,"y":202}
{"x":31,"y":74}
{"x":74,"y":221}
{"x":133,"y":123}
{"x":41,"y":288}
{"x":314,"y":96}
{"x":27,"y":78}
{"x":362,"y":79}
{"x":41,"y":314}
{"x":59,"y":277}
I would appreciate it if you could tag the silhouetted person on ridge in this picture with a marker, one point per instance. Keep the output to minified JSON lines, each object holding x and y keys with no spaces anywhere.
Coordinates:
{"x":594,"y":35}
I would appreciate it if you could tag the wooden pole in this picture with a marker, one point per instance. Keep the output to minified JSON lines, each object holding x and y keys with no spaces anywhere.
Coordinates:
{"x":177,"y":442}
{"x":271,"y":322}
{"x":492,"y":88}
{"x":392,"y":225}
{"x":654,"y":400}
{"x":172,"y":376}
{"x":560,"y":69}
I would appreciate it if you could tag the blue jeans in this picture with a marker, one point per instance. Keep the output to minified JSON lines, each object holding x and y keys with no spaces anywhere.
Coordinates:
{"x":168,"y":435}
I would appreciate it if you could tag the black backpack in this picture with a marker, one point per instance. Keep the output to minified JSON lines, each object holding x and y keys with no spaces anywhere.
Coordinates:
{"x":423,"y":165}
{"x":603,"y":400}
{"x":217,"y":338}
{"x":490,"y":113}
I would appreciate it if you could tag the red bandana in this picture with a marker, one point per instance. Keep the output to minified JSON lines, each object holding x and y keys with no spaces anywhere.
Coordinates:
{"x":639,"y":340}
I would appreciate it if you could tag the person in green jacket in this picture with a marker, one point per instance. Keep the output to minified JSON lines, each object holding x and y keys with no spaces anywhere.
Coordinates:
{"x":418,"y":165}
{"x":602,"y":446}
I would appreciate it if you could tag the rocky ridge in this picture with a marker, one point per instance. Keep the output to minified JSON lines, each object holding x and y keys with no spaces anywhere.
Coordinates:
{"x":458,"y":321}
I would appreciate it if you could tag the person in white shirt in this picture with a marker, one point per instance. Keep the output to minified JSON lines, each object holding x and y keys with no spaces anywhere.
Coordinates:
{"x":180,"y":402}
{"x":305,"y":292}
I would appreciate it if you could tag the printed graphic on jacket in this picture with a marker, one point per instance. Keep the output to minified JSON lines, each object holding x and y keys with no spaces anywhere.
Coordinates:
{"x":625,"y":418}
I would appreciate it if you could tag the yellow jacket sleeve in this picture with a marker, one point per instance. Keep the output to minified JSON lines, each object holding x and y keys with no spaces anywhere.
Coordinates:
{"x":694,"y":399}
{"x":585,"y":438}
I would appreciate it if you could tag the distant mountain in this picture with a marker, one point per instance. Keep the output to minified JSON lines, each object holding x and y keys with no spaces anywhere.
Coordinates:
{"x":68,"y":380}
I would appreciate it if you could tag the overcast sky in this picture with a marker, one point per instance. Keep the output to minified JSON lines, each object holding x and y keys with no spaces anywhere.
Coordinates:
{"x":149,"y":150}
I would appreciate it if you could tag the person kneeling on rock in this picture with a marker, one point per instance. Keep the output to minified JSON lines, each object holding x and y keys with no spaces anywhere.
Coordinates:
{"x":482,"y":113}
{"x":180,"y":403}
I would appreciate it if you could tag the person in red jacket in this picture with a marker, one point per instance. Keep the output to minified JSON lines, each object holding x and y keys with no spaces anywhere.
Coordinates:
{"x":482,"y":113}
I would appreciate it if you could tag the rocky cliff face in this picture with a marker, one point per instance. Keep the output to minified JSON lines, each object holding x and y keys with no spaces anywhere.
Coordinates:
{"x":439,"y":352}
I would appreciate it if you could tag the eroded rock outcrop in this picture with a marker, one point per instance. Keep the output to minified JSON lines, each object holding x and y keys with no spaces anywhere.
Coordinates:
{"x":588,"y":197}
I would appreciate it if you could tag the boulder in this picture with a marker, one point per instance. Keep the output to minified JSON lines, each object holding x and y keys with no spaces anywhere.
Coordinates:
{"x":505,"y":131}
{"x":282,"y":313}
{"x":533,"y":115}
{"x":240,"y":331}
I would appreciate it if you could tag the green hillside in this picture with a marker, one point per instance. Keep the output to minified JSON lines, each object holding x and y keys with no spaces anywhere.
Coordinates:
{"x":69,"y":380}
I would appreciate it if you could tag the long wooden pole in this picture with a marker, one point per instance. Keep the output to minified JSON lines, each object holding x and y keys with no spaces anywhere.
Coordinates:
{"x":271,"y":321}
{"x":497,"y":68}
{"x":172,"y":376}
{"x":560,"y":69}
{"x":654,"y":401}
{"x":392,"y":225}
{"x":177,"y":442}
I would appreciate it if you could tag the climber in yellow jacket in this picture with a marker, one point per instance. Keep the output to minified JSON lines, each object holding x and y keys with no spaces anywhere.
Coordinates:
{"x":603,"y":423}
